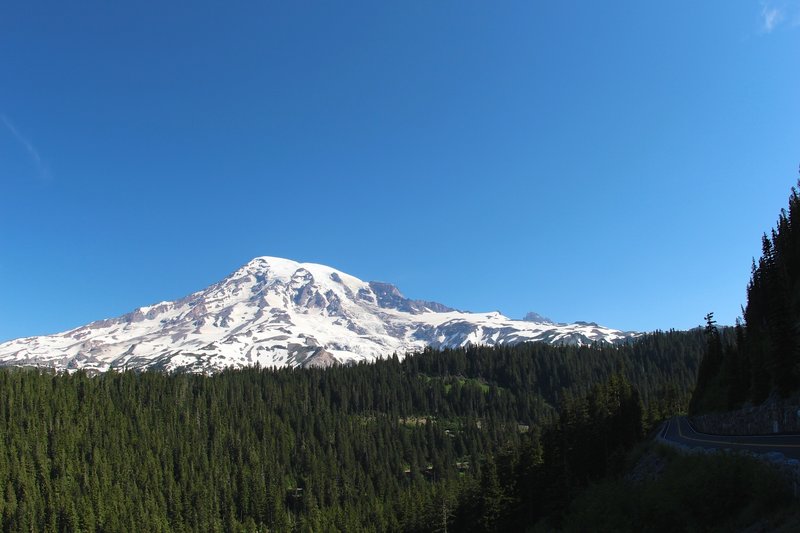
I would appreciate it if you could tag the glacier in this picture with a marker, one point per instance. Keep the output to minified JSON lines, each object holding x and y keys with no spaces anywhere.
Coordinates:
{"x":276,"y":312}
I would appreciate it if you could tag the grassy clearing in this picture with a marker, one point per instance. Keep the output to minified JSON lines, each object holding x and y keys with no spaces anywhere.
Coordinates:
{"x":449,"y":381}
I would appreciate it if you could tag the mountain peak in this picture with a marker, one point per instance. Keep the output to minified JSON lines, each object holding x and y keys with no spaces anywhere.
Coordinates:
{"x":536,"y":317}
{"x":278,"y":312}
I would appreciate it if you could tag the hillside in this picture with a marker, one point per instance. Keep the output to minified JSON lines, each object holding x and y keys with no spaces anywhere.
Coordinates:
{"x":462,"y":438}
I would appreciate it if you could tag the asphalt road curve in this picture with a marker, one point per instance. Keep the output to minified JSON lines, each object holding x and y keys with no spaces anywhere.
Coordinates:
{"x":679,"y":430}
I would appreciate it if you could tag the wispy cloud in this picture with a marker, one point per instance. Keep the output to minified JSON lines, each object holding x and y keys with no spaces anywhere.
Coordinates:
{"x":771,"y":16}
{"x":41,"y":168}
{"x":775,"y":13}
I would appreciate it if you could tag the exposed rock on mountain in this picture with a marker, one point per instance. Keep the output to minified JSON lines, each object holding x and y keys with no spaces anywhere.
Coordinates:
{"x":277,"y":312}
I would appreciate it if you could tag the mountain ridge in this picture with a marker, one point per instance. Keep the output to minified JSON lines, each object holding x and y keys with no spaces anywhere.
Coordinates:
{"x":278,"y":312}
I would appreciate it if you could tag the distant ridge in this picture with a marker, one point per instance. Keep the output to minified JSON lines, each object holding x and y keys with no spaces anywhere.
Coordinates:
{"x":536,"y":317}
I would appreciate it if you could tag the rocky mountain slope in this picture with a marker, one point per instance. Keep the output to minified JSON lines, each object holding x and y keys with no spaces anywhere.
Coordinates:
{"x":277,"y":312}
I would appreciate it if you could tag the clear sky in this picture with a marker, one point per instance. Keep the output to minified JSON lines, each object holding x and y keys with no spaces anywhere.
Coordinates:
{"x":606,"y":161}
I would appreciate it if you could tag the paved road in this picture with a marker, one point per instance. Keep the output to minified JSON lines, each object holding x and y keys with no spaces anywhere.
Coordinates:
{"x":679,"y":430}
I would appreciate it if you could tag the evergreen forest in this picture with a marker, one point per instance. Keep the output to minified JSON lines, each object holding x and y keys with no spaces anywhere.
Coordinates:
{"x":474,"y":439}
{"x":762,"y":359}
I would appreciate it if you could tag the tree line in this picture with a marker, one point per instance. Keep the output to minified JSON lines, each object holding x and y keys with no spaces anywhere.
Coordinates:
{"x":763,"y":359}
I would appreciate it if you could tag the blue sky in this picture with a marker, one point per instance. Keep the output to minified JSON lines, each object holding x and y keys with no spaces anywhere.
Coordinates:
{"x":614,"y":162}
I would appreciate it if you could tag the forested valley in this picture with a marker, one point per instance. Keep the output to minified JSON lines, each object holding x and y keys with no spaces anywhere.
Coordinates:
{"x":474,"y":439}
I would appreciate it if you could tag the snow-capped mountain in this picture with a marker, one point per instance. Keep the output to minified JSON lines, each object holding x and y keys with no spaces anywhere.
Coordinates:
{"x":277,"y":312}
